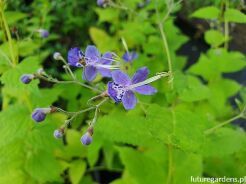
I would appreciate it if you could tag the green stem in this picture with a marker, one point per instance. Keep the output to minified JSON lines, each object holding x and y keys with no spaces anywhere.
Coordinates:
{"x":68,"y":68}
{"x":170,"y":161}
{"x":6,"y":27}
{"x":165,"y":44}
{"x":211,"y":130}
{"x":226,"y":27}
{"x":67,"y":82}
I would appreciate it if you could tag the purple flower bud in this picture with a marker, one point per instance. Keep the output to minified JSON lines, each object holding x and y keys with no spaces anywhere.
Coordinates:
{"x":101,"y":2}
{"x":57,"y":55}
{"x":39,"y":114}
{"x":43,"y":33}
{"x":86,"y":139}
{"x":26,"y":78}
{"x":58,"y":134}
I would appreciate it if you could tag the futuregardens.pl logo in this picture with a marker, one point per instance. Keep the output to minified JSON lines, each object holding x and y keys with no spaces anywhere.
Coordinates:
{"x":217,"y":180}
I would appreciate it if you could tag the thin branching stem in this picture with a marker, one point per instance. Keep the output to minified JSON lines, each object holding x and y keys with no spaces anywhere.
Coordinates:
{"x":213,"y":129}
{"x":50,"y":79}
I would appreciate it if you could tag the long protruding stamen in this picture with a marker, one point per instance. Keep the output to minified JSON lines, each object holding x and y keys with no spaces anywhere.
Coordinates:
{"x":109,"y":59}
{"x":149,"y":80}
{"x":112,"y":67}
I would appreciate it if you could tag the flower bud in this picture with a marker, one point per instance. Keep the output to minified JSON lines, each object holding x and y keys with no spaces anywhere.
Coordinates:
{"x":101,"y":3}
{"x":86,"y":139}
{"x":40,"y":71}
{"x":57,"y":56}
{"x":58,"y":133}
{"x":39,"y":114}
{"x":43,"y":33}
{"x":26,"y":78}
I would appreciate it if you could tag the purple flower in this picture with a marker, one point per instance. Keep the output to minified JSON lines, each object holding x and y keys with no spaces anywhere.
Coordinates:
{"x":39,"y":114}
{"x":26,"y":78}
{"x":58,"y":134}
{"x":86,"y":139}
{"x":43,"y":33}
{"x":75,"y":57}
{"x":97,"y":64}
{"x":122,"y":88}
{"x":130,"y":56}
{"x":92,"y":62}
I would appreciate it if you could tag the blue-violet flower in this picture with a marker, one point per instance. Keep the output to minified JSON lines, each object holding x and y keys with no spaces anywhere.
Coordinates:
{"x":92,"y":62}
{"x":122,"y":88}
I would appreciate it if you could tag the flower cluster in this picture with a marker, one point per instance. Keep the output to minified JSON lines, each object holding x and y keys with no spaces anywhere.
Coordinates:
{"x":121,"y":88}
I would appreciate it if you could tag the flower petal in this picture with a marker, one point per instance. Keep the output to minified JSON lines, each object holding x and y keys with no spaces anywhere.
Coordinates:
{"x":130,"y":56}
{"x":140,"y":75}
{"x":129,"y":100}
{"x":92,"y":52}
{"x":113,"y":92}
{"x":104,"y":72}
{"x":89,"y":73}
{"x":121,"y":78}
{"x":107,"y":58}
{"x":74,"y":56}
{"x":145,"y":90}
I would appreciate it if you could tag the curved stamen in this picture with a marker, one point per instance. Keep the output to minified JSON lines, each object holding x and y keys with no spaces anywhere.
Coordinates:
{"x":112,"y":67}
{"x":149,"y":80}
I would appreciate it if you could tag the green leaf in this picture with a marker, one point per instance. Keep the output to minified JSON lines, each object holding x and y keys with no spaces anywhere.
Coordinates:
{"x":224,"y":141}
{"x":74,"y":148}
{"x":205,"y":68}
{"x":209,"y":12}
{"x":181,"y":161}
{"x":14,"y":16}
{"x":37,"y":163}
{"x":216,"y":62}
{"x":150,"y":172}
{"x":102,"y":40}
{"x":233,"y":15}
{"x":76,"y":171}
{"x":214,"y":38}
{"x":188,"y":130}
{"x":195,"y":90}
{"x":107,"y":15}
